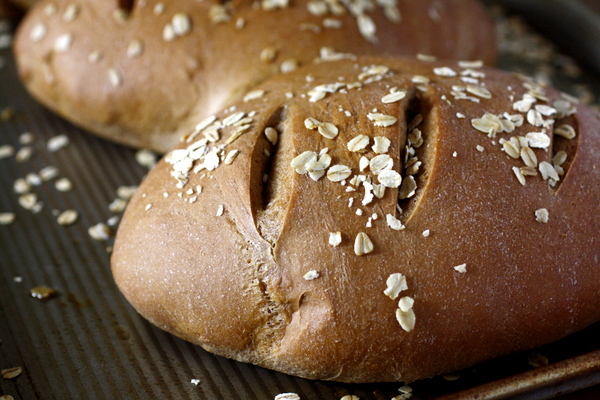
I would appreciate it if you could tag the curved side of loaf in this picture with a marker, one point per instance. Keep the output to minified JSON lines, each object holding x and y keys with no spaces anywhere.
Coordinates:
{"x":234,"y":253}
{"x":143,"y":72}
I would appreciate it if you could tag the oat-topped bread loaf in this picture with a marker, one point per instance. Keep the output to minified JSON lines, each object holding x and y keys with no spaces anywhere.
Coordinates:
{"x":373,"y":219}
{"x":143,"y":72}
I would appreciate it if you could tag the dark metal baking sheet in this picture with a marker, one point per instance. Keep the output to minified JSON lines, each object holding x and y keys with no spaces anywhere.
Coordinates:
{"x":87,"y":342}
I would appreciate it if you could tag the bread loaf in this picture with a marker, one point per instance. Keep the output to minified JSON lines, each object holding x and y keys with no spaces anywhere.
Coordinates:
{"x":373,"y":219}
{"x":142,"y":73}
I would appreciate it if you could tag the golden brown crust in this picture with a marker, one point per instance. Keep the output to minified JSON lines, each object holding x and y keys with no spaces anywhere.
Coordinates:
{"x":150,"y":97}
{"x":218,"y":256}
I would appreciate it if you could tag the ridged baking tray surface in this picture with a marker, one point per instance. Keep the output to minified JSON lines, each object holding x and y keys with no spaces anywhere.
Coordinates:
{"x":66,"y":332}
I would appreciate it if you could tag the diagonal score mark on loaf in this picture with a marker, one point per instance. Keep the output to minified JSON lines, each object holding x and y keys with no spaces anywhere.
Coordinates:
{"x":565,"y":143}
{"x":418,"y":153}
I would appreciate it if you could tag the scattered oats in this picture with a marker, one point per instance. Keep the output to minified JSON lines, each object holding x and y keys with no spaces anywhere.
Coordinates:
{"x":426,"y":233}
{"x":289,"y":65}
{"x":114,"y":77}
{"x":479,"y":91}
{"x":451,"y":377}
{"x":542,"y":215}
{"x":18,"y":279}
{"x":350,"y":397}
{"x":95,"y":56}
{"x":382,"y":119}
{"x":480,"y":148}
{"x":63,"y":185}
{"x":99,"y":231}
{"x":57,"y":142}
{"x":220,"y":210}
{"x":363,"y":163}
{"x":311,"y":123}
{"x":311,"y":275}
{"x":406,"y":303}
{"x":528,"y":171}
{"x":511,"y":149}
{"x":529,"y":157}
{"x":455,"y":154}
{"x":367,"y":27}
{"x":525,"y":104}
{"x":328,"y":130}
{"x":332,"y":23}
{"x":390,"y":178}
{"x":358,"y":143}
{"x":6,"y":151}
{"x":126,"y":192}
{"x":113,"y":221}
{"x":420,"y":79}
{"x":268,"y":54}
{"x":537,"y":360}
{"x":408,"y":188}
{"x":395,"y":283}
{"x":470,"y":64}
{"x":393,"y":97}
{"x":182,"y":24}
{"x":159,"y":8}
{"x":519,"y":174}
{"x":28,"y":201}
{"x":231,"y":156}
{"x":564,"y":108}
{"x":120,"y":15}
{"x":233,"y":118}
{"x":338,"y":173}
{"x":426,"y":57}
{"x":538,"y":140}
{"x":50,"y":9}
{"x":135,"y":48}
{"x":382,"y":144}
{"x":394,"y":222}
{"x":63,"y":43}
{"x":195,"y":382}
{"x":11,"y":373}
{"x":148,"y":206}
{"x":406,"y":319}
{"x":42,"y":292}
{"x":33,"y":179}
{"x":146,"y":158}
{"x":71,"y":12}
{"x":300,"y":162}
{"x":335,"y":238}
{"x":38,"y":32}
{"x":489,"y":124}
{"x":416,"y":121}
{"x":359,"y":212}
{"x":168,"y":33}
{"x":317,"y":8}
{"x":7,"y":218}
{"x":67,"y":217}
{"x":350,"y":202}
{"x":462,"y":268}
{"x":566,"y":131}
{"x":444,"y":71}
{"x":381,"y":163}
{"x":545,"y":110}
{"x":559,"y":158}
{"x":287,"y":396}
{"x":362,"y":244}
{"x":117,"y":205}
{"x":253,"y":95}
{"x":460,"y":115}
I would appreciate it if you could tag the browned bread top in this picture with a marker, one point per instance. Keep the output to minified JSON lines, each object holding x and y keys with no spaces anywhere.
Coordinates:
{"x":375,"y":219}
{"x":141,"y":72}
